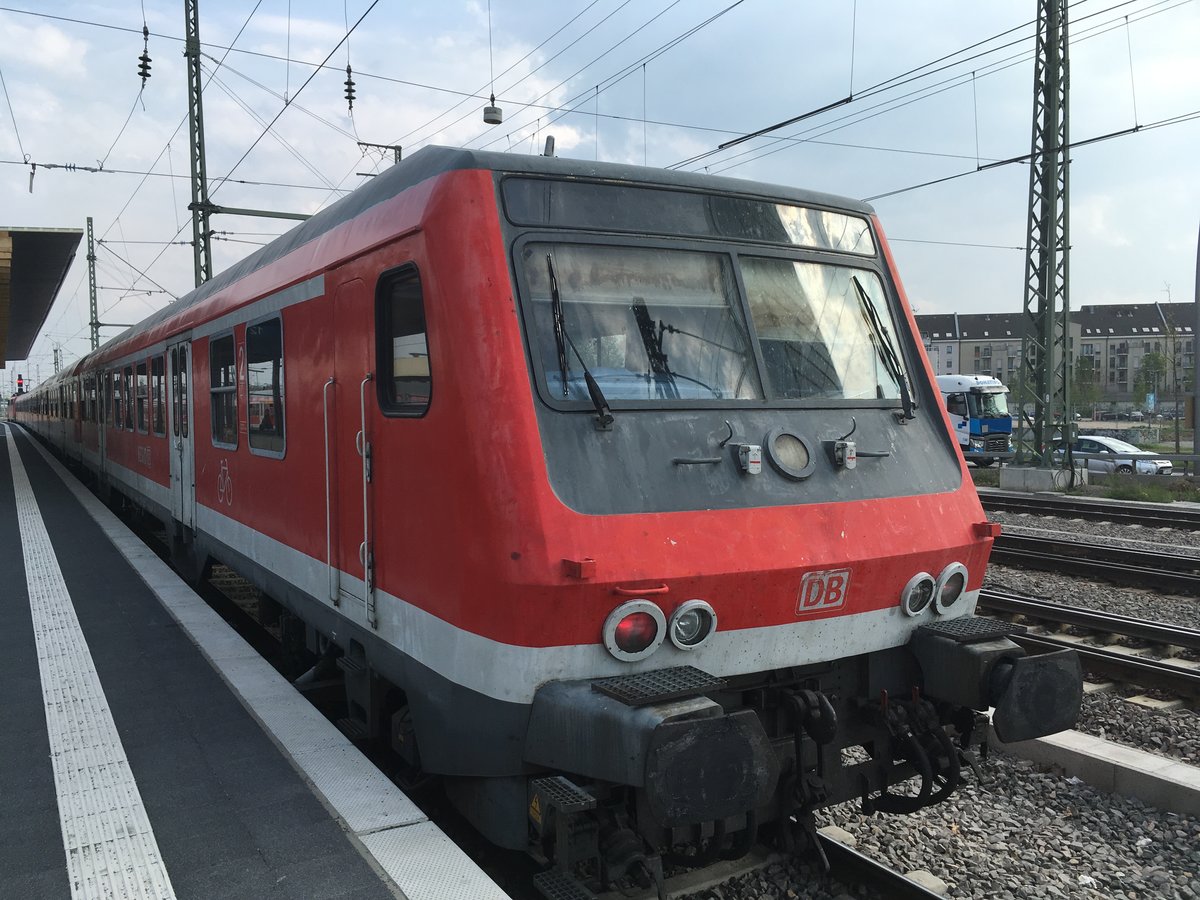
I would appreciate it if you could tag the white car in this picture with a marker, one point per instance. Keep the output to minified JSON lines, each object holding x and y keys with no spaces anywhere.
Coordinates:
{"x":1113,"y":455}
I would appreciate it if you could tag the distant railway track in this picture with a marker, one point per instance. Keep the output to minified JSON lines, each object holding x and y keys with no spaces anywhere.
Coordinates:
{"x":1122,"y":663}
{"x":1151,"y":569}
{"x":1148,"y":515}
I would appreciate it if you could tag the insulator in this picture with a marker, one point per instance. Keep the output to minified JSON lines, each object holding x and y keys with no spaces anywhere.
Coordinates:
{"x":144,"y":59}
{"x":349,"y":86}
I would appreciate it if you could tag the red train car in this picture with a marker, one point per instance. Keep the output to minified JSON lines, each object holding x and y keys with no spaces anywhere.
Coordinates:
{"x":624,"y":497}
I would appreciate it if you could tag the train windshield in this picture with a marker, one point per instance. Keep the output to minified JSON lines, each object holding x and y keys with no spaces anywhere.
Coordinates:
{"x":669,"y":325}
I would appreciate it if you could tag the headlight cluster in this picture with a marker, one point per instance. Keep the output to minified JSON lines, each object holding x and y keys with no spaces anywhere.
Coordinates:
{"x":637,"y":628}
{"x":923,"y":589}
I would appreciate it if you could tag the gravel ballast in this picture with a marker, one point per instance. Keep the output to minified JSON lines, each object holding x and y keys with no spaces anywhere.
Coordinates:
{"x":1032,"y":834}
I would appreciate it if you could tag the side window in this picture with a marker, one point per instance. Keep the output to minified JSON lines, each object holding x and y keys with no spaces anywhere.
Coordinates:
{"x":264,"y":385}
{"x":956,"y":404}
{"x":118,"y":412}
{"x":110,"y":397}
{"x":158,"y":407}
{"x":405,"y":385}
{"x":143,"y":383}
{"x":223,"y":390}
{"x":175,"y":391}
{"x":127,"y":390}
{"x":183,"y":390}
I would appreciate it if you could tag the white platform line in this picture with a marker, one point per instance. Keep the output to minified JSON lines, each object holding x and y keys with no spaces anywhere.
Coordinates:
{"x":384,"y":824}
{"x":110,"y":846}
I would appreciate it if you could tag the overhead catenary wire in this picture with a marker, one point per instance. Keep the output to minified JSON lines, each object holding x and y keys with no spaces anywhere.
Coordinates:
{"x":754,"y":154}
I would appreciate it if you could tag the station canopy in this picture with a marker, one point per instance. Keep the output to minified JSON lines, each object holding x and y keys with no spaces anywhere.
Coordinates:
{"x":33,"y":264}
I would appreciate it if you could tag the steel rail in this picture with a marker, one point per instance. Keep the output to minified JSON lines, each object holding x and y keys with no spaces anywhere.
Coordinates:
{"x":1150,"y":515}
{"x":846,"y":863}
{"x":1120,"y":565}
{"x":1093,"y":620}
{"x":1148,"y":673}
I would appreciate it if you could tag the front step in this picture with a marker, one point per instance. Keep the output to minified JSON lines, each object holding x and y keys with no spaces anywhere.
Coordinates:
{"x":555,"y":884}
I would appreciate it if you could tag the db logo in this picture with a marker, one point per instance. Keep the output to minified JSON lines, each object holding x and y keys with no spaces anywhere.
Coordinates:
{"x":820,"y":591}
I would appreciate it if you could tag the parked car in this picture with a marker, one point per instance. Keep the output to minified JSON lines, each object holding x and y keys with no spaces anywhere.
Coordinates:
{"x":1107,"y":454}
{"x":1137,"y":415}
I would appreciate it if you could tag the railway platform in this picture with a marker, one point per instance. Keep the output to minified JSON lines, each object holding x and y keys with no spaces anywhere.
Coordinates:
{"x":147,"y":751}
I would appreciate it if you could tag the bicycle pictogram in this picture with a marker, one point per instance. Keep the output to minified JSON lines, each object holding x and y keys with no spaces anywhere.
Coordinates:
{"x":225,"y":484}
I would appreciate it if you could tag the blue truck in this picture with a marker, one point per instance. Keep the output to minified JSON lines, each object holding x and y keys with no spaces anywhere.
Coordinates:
{"x":978,"y":407}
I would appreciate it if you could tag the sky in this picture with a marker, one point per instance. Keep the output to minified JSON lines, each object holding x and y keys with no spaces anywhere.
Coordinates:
{"x":935,"y":90}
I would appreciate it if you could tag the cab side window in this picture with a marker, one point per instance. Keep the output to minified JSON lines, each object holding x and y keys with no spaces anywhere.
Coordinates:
{"x":956,"y":404}
{"x":264,"y":385}
{"x":223,"y":391}
{"x":405,"y":380}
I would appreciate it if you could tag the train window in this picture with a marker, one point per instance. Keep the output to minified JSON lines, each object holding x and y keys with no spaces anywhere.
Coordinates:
{"x":114,"y":388}
{"x":127,"y":390}
{"x":183,"y":390}
{"x":579,"y":204}
{"x":264,"y":385}
{"x":143,"y":383}
{"x":405,"y":382}
{"x":816,"y":337}
{"x":223,"y":391}
{"x":175,"y":391}
{"x":158,"y":410}
{"x":650,"y":324}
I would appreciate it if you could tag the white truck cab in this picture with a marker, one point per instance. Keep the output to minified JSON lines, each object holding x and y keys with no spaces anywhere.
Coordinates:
{"x":978,"y":407}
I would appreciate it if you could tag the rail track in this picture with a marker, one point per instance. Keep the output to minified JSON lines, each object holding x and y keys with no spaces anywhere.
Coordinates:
{"x":1150,"y":515}
{"x":1151,"y":569}
{"x":1125,"y":664}
{"x":846,"y":865}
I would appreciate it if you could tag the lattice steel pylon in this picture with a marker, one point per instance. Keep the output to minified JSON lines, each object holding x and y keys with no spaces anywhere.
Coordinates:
{"x":1044,"y":385}
{"x":200,"y":207}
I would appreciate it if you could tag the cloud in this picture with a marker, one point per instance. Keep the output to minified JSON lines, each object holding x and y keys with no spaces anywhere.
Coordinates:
{"x":44,"y":47}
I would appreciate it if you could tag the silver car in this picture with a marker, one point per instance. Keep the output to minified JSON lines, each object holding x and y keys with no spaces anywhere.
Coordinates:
{"x":1115,"y":455}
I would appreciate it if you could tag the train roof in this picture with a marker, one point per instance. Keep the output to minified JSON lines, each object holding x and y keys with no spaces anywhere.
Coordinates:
{"x":431,"y":161}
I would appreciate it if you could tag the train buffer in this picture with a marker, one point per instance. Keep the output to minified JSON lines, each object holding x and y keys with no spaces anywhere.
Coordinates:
{"x":148,"y":751}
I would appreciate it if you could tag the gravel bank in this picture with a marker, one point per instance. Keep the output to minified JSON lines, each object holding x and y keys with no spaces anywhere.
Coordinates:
{"x":1027,"y":834}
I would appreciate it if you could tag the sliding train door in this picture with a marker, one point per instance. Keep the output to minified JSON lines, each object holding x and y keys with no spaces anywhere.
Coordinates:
{"x":349,"y":419}
{"x":183,"y":455}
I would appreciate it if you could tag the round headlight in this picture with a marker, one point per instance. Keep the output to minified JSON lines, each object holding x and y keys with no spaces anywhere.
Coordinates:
{"x":634,"y":630}
{"x":692,"y":624}
{"x":917,"y":594}
{"x":950,"y":586}
{"x":790,"y":454}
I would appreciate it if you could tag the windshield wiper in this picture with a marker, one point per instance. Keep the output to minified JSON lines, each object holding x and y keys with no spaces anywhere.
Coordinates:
{"x":883,"y":346}
{"x":604,"y":417}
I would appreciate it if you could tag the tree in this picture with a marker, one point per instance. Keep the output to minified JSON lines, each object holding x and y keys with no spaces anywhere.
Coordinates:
{"x":1155,"y":367}
{"x":1085,"y":391}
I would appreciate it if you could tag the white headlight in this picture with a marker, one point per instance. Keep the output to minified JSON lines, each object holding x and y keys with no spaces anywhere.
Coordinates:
{"x":917,"y":594}
{"x":692,"y":624}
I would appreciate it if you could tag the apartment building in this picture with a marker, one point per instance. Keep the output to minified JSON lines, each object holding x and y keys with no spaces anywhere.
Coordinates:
{"x":1108,"y":345}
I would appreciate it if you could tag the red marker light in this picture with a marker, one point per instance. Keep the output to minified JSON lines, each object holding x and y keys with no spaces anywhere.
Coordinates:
{"x":636,"y":632}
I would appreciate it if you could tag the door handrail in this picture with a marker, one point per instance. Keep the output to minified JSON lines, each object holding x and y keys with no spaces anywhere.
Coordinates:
{"x":364,"y":551}
{"x":333,"y":588}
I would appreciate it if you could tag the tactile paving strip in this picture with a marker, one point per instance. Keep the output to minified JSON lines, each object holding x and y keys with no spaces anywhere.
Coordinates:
{"x":110,"y":846}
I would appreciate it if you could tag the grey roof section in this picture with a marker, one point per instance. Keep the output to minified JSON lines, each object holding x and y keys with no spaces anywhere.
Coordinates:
{"x":972,"y":326}
{"x":39,"y":263}
{"x":1138,"y":319}
{"x":1095,"y":322}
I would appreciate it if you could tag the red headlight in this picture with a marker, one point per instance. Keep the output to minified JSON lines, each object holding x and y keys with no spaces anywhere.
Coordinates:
{"x":634,"y":630}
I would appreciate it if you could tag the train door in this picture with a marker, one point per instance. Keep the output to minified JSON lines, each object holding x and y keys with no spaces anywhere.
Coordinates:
{"x":183,"y":459}
{"x":349,"y":434}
